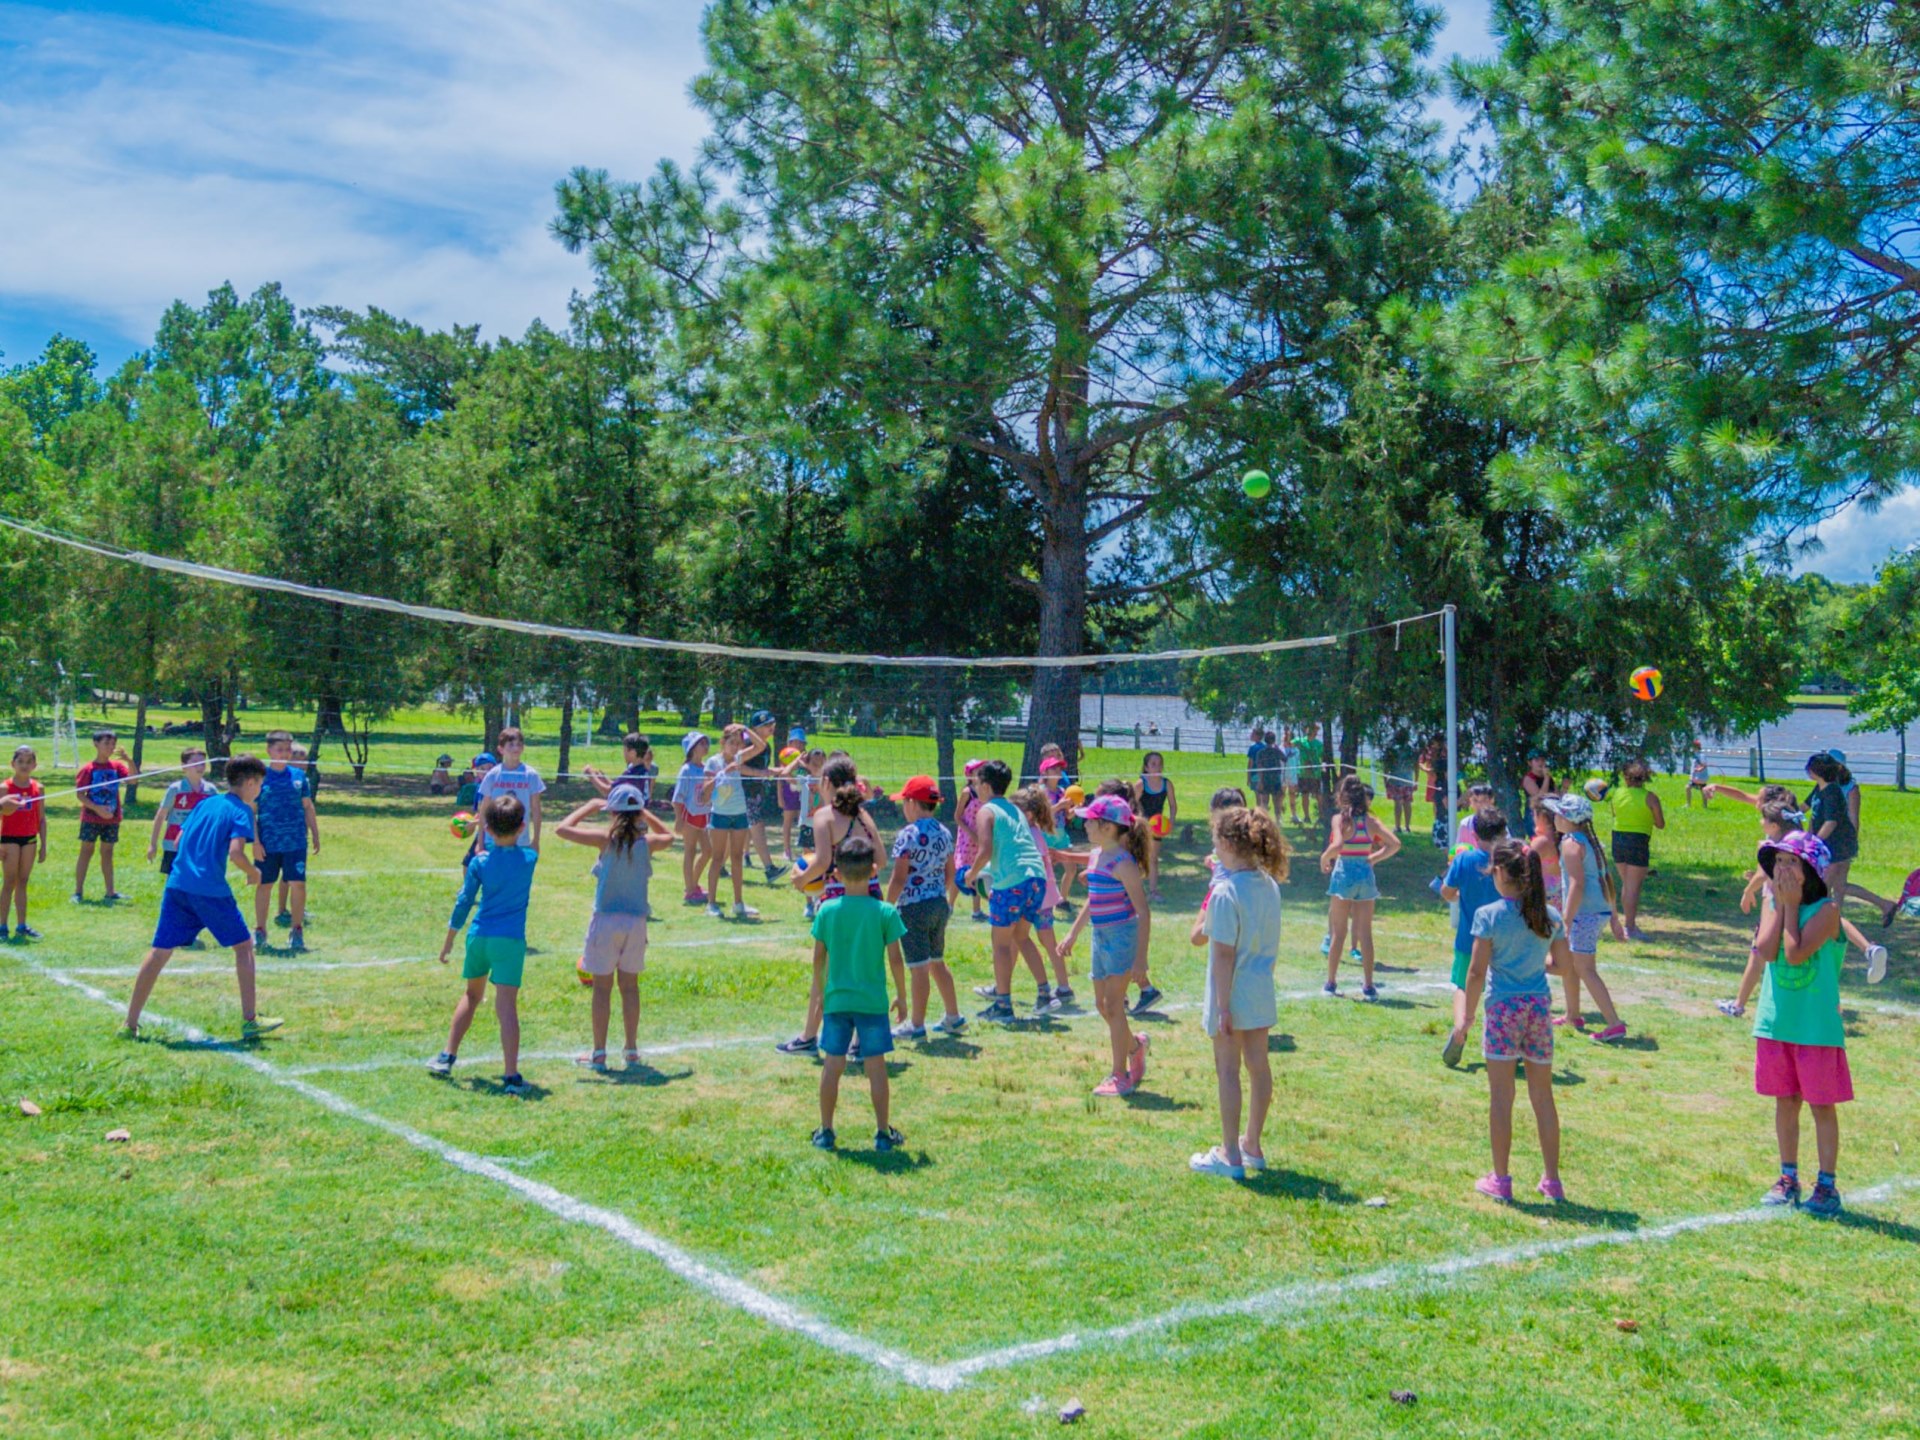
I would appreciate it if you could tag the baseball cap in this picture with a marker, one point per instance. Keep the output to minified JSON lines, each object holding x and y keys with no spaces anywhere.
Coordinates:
{"x":759,"y":718}
{"x":796,"y":736}
{"x":486,"y":757}
{"x":1052,"y":762}
{"x":972,"y":765}
{"x":921,"y":788}
{"x":625,"y":799}
{"x":691,"y":739}
{"x":1110,"y":808}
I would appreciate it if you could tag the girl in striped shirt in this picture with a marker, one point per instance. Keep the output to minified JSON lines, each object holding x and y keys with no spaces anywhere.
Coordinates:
{"x":1122,"y":927}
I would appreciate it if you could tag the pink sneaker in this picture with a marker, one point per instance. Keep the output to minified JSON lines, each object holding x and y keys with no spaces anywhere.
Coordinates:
{"x":1496,"y":1187}
{"x":1552,"y":1189}
{"x":1609,"y":1035}
{"x":696,"y":896}
{"x":1137,"y":1062}
{"x":1578,"y":1022}
{"x":1114,"y":1086}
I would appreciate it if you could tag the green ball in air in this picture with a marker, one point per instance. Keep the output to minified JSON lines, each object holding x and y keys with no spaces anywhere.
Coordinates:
{"x":1257,"y":483}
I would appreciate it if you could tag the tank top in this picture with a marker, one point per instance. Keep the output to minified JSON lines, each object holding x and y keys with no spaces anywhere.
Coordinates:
{"x":1632,"y":815}
{"x":24,"y":822}
{"x":620,"y":879}
{"x":834,"y":887}
{"x":1359,"y":842}
{"x":1015,"y":857}
{"x":1152,"y":801}
{"x":1107,"y":900}
{"x":1593,"y":898}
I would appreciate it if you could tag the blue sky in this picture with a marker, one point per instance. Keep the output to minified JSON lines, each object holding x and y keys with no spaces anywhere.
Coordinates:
{"x":400,"y":153}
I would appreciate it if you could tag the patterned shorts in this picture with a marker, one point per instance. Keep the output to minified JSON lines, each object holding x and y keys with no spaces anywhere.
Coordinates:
{"x":1017,"y":903}
{"x":1519,"y":1028}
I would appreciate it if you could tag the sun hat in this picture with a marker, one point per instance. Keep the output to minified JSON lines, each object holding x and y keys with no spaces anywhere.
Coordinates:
{"x":625,"y":799}
{"x":1575,"y":808}
{"x":692,"y":738}
{"x":921,"y":788}
{"x":796,"y":736}
{"x":1111,"y":808}
{"x":972,"y":765}
{"x":1810,"y":848}
{"x":1837,"y":753}
{"x":444,"y":760}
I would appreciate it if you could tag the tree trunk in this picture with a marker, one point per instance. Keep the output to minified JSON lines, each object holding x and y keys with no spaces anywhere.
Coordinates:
{"x":1054,"y":714}
{"x":566,"y":734}
{"x":139,"y":748}
{"x":213,"y":730}
{"x":493,"y":715}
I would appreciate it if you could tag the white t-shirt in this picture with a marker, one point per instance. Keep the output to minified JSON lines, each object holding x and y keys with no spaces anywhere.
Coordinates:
{"x":522,"y":782}
{"x":686,"y":790}
{"x":1243,"y":910}
{"x":729,"y":795}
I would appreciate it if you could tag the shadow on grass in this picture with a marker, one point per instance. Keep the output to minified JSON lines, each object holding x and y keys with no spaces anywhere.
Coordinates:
{"x":1149,"y":1100}
{"x":481,"y":1085}
{"x":1876,"y":1225}
{"x":1280,"y":1044}
{"x":1389,"y":1002}
{"x":1646,"y":1044}
{"x":889,"y":1162}
{"x":1281,"y":1183}
{"x":948,"y":1047}
{"x":1574,"y":1213}
{"x":642,"y":1074}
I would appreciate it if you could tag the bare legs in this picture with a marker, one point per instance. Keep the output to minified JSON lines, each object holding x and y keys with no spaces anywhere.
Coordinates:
{"x":730,"y":852}
{"x":1826,"y":1131}
{"x":16,"y":864}
{"x":1110,"y":995}
{"x":1546,"y":1118}
{"x":1632,"y":877}
{"x":156,"y":961}
{"x":1586,"y":970}
{"x":603,"y":1007}
{"x":923,"y":979}
{"x":1339,"y":914}
{"x":832,"y":1067}
{"x":506,"y":1005}
{"x":1230,"y":1052}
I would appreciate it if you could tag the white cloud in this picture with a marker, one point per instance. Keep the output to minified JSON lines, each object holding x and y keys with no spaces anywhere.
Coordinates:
{"x":1854,"y":543}
{"x":399,"y":154}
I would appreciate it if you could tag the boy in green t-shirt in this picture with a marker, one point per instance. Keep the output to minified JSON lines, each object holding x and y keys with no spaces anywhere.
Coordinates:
{"x":855,"y":940}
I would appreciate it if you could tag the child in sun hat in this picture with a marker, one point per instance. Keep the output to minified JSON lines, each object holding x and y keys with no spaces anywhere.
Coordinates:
{"x":1122,"y":921}
{"x":1800,"y":1040}
{"x":922,"y":872}
{"x":1512,"y":938}
{"x":1239,"y":1007}
{"x":1586,"y":902}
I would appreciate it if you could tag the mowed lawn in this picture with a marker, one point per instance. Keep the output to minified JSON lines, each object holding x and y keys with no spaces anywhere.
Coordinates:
{"x":263,"y":1259}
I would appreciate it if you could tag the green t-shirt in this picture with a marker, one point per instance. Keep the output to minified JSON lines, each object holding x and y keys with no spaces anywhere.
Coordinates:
{"x":1800,"y":1004}
{"x":1015,"y":857}
{"x":857,"y":930}
{"x":1312,"y":753}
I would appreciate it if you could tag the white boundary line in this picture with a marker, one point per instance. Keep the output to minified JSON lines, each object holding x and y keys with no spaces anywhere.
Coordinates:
{"x":1276,"y":1303}
{"x":108,"y":972}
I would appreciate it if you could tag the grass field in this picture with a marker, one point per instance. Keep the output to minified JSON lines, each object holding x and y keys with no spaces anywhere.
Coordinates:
{"x":311,"y":1237}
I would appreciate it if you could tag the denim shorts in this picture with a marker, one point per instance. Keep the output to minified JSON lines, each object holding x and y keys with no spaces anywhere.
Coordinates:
{"x":1583,"y":931}
{"x":1017,"y":902}
{"x":1114,"y":947}
{"x":926,"y":937}
{"x":837,"y":1029}
{"x":727,"y":822}
{"x":1352,"y":879}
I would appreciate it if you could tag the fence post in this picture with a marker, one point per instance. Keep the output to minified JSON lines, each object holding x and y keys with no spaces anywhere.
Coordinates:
{"x":1219,"y":741}
{"x":1900,"y":765}
{"x":1176,"y":739}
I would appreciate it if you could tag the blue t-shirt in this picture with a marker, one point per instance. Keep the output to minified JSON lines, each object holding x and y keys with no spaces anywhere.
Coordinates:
{"x":1472,"y":875}
{"x":282,"y":807}
{"x":208,"y":832}
{"x":926,"y":843}
{"x":501,"y":881}
{"x":1519,"y":964}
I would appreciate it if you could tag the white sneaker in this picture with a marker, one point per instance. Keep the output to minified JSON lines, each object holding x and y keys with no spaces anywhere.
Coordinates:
{"x":715,"y":912}
{"x":1876,"y":964}
{"x":745,"y":912}
{"x":1212,"y":1162}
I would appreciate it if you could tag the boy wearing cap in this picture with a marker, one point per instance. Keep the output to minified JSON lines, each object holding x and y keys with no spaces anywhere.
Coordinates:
{"x":1800,"y":1040}
{"x":761,"y":781}
{"x":692,"y":805}
{"x":792,"y":802}
{"x":922,"y":874}
{"x":468,"y":795}
{"x":856,"y":940}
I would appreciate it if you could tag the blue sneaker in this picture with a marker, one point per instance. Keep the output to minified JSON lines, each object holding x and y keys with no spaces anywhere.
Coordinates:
{"x":297,"y":941}
{"x":26,"y":932}
{"x":1824,"y":1202}
{"x":1329,"y":988}
{"x":515,"y":1084}
{"x":260,"y":938}
{"x":888,"y":1139}
{"x":823,"y":1139}
{"x":1326,"y":944}
{"x":1000,"y":1012}
{"x":4,"y":935}
{"x":1369,"y":994}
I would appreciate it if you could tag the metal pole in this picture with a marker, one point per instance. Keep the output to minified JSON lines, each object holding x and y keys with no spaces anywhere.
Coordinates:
{"x":1447,"y":624}
{"x":1760,"y":752}
{"x":1102,"y":741}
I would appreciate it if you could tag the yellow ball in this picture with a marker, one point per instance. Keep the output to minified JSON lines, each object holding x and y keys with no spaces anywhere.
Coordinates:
{"x":1646,"y":683}
{"x":1160,"y":826}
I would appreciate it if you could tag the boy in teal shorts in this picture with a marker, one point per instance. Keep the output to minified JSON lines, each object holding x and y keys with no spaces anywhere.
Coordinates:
{"x":498,"y":884}
{"x":856,"y":939}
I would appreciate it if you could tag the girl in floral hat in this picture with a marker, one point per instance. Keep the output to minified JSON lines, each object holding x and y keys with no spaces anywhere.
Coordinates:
{"x":1122,"y":921}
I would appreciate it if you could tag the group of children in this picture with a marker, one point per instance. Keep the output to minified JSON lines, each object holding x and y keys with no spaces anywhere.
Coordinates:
{"x":1528,"y":907}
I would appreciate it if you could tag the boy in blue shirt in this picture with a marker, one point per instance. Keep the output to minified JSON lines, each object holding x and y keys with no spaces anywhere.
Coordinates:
{"x":287,"y":824}
{"x":1469,"y":884}
{"x":198,"y":897}
{"x":498,"y":884}
{"x":855,"y":940}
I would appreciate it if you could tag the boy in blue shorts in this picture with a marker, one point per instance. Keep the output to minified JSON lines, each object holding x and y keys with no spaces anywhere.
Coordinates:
{"x":1005,"y":854}
{"x":288,"y":824}
{"x":495,"y":892}
{"x":1469,"y":884}
{"x":198,"y":897}
{"x":856,"y":939}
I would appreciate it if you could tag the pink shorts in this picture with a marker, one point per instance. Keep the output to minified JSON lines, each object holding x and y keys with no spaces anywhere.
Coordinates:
{"x":1817,"y":1074}
{"x":615,"y":942}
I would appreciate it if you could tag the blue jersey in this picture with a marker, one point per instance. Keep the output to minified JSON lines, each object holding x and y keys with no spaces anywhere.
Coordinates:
{"x":206,"y":835}
{"x":283,"y":810}
{"x":498,"y":885}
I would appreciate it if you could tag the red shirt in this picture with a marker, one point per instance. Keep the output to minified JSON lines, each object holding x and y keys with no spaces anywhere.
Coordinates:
{"x":100,"y":779}
{"x":24,"y":822}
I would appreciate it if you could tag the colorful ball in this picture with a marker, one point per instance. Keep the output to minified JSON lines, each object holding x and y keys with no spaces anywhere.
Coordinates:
{"x":580,"y":969}
{"x":1596,"y":789}
{"x":1257,"y":484}
{"x":790,"y":754}
{"x":462,"y":825}
{"x":812,"y":887}
{"x":1160,"y":826}
{"x":1646,"y":683}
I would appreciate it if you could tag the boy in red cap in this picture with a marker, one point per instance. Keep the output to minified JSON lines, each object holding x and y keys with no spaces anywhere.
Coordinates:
{"x":922,"y":875}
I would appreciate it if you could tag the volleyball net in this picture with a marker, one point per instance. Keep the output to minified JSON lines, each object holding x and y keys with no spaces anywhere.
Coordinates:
{"x":170,"y":653}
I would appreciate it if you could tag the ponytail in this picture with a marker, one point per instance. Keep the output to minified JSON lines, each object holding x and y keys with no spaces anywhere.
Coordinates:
{"x":840,"y":787}
{"x":1355,"y":795}
{"x":1134,"y":839}
{"x":627,"y":828}
{"x":1521,"y":867}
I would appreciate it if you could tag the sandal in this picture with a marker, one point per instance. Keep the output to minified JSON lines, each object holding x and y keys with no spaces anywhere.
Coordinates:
{"x":632,"y":1057}
{"x":592,"y":1060}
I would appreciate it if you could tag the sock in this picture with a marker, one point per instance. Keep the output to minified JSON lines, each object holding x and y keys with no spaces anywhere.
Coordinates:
{"x":1826,"y":1179}
{"x":1790,"y":1169}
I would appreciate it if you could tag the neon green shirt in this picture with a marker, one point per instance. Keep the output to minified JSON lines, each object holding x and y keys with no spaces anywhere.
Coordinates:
{"x":1800,"y":1004}
{"x":1632,"y":815}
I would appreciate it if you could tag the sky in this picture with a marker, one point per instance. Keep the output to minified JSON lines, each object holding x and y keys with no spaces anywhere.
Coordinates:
{"x":400,"y":153}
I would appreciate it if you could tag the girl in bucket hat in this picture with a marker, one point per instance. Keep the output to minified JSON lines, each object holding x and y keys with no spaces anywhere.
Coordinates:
{"x":1800,"y":1054}
{"x":1586,"y":900}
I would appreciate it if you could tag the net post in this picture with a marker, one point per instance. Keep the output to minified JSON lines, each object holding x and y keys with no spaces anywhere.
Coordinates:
{"x":1447,"y":625}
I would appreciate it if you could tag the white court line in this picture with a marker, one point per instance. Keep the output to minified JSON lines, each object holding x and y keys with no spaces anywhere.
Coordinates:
{"x":1276,"y":1303}
{"x":268,"y":966}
